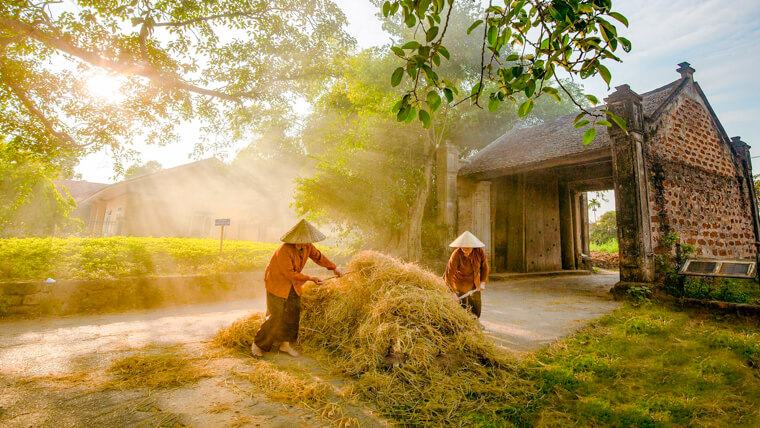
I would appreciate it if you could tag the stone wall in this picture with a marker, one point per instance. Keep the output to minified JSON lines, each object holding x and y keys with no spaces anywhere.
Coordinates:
{"x":64,"y":297}
{"x":694,"y":186}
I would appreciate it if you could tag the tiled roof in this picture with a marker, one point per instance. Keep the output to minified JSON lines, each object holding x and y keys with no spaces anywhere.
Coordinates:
{"x":556,"y":138}
{"x":79,"y":189}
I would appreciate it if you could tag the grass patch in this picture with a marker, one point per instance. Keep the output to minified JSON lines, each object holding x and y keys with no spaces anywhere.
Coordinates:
{"x":610,"y":246}
{"x":650,"y":366}
{"x":119,"y":256}
{"x":160,"y":368}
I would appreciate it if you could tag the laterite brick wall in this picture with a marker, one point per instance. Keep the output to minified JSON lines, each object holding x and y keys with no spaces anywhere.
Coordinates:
{"x":694,"y":187}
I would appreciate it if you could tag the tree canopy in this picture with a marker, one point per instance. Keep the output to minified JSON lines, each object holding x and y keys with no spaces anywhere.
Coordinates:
{"x":223,"y":64}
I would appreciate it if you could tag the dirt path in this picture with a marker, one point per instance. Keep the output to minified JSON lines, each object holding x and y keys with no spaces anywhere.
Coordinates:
{"x":53,"y":372}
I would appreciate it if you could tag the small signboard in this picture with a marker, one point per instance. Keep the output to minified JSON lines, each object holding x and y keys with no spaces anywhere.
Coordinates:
{"x":222,"y":222}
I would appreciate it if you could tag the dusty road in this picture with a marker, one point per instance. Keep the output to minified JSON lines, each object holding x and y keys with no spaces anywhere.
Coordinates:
{"x":35,"y":355}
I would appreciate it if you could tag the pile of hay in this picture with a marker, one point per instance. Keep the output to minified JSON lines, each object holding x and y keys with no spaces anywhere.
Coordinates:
{"x":412,"y":349}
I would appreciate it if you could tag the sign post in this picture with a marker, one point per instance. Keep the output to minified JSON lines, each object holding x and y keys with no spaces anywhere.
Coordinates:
{"x":221,"y":222}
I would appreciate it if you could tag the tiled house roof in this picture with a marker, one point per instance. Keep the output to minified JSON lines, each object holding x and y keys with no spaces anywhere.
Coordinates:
{"x":557,"y":138}
{"x":79,"y":189}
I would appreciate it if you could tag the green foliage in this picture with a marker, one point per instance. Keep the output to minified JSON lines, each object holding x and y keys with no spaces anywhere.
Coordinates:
{"x":374,"y":176}
{"x":604,"y":230}
{"x":645,"y":366}
{"x":733,"y":290}
{"x":92,"y":258}
{"x":30,"y":205}
{"x":639,"y":294}
{"x":522,"y":46}
{"x":610,"y":246}
{"x":228,"y":65}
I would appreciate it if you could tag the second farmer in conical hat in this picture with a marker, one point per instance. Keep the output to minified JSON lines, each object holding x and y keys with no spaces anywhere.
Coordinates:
{"x":467,"y":271}
{"x":284,"y":281}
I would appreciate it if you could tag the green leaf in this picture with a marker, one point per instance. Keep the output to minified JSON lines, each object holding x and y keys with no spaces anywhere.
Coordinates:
{"x":475,"y":89}
{"x":397,"y":75}
{"x":424,"y":118}
{"x":592,"y":99}
{"x":525,"y":108}
{"x":411,"y":115}
{"x":619,"y":121}
{"x":449,"y":94}
{"x":493,"y":104}
{"x":431,"y":33}
{"x":386,"y":8}
{"x":411,"y":45}
{"x":604,"y":123}
{"x":604,"y":73}
{"x":444,"y":52}
{"x":398,"y":51}
{"x":589,"y":136}
{"x":474,"y":26}
{"x":493,"y":34}
{"x":513,"y":57}
{"x":619,"y":17}
{"x":581,"y":124}
{"x":433,"y":100}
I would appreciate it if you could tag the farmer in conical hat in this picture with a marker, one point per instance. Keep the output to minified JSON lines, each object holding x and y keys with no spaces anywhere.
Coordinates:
{"x":467,"y":270}
{"x":284,"y":281}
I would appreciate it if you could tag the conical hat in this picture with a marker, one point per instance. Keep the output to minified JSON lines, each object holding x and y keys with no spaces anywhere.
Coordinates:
{"x":303,"y":233}
{"x":467,"y":240}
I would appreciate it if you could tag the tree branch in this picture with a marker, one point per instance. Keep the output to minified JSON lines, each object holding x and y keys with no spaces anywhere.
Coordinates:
{"x":21,"y":95}
{"x":55,"y":41}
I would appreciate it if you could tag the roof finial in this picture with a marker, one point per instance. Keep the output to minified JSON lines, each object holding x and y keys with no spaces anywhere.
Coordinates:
{"x":685,"y":70}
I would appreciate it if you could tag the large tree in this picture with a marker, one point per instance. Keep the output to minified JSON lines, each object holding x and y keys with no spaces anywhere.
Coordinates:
{"x":374,"y":176}
{"x":223,"y":64}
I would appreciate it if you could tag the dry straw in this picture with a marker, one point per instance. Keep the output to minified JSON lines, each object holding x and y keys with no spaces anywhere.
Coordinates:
{"x":413,"y":351}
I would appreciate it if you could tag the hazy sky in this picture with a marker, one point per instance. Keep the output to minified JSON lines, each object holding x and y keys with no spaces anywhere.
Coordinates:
{"x":720,"y":38}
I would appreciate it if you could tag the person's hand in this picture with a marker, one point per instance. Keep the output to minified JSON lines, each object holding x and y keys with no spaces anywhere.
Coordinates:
{"x":337,"y":272}
{"x":482,"y":286}
{"x":316,"y":280}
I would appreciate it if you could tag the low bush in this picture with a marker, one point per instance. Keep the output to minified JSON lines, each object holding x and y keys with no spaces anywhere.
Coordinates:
{"x":110,"y":257}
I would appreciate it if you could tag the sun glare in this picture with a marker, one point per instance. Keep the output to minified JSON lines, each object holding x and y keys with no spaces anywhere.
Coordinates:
{"x":105,"y":87}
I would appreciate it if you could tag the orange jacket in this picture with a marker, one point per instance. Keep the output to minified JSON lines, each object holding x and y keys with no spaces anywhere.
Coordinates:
{"x":285,"y":266}
{"x":464,"y":273}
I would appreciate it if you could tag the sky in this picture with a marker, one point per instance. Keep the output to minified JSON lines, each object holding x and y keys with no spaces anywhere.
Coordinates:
{"x":719,"y":38}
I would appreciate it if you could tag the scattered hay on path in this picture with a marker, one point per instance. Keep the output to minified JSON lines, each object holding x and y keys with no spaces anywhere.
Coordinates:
{"x":411,"y":349}
{"x":161,"y":368}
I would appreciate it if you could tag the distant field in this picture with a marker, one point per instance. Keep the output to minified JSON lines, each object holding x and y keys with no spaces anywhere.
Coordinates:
{"x":91,"y":258}
{"x":610,"y":246}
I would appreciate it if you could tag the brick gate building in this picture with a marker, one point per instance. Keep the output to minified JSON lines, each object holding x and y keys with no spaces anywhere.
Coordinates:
{"x":675,"y":170}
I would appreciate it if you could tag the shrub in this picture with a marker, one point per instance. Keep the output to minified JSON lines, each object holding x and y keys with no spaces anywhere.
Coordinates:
{"x":108,"y":257}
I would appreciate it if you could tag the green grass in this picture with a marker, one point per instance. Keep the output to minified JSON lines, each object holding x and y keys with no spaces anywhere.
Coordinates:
{"x":610,"y":246}
{"x":92,"y":258}
{"x":723,"y":289}
{"x":644,"y":366}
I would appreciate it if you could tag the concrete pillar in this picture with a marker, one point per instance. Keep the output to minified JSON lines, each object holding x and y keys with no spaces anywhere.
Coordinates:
{"x":631,"y":201}
{"x":584,"y":223}
{"x":566,"y":227}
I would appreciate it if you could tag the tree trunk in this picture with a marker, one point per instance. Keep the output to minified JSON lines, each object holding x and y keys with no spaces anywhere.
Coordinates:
{"x":407,"y":243}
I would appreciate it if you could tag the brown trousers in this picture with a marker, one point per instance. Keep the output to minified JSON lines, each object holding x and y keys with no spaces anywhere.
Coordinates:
{"x":471,"y":303}
{"x":282,"y":321}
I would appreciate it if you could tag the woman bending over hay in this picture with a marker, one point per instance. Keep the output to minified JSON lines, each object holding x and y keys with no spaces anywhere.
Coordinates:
{"x":284,"y":283}
{"x":467,"y":271}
